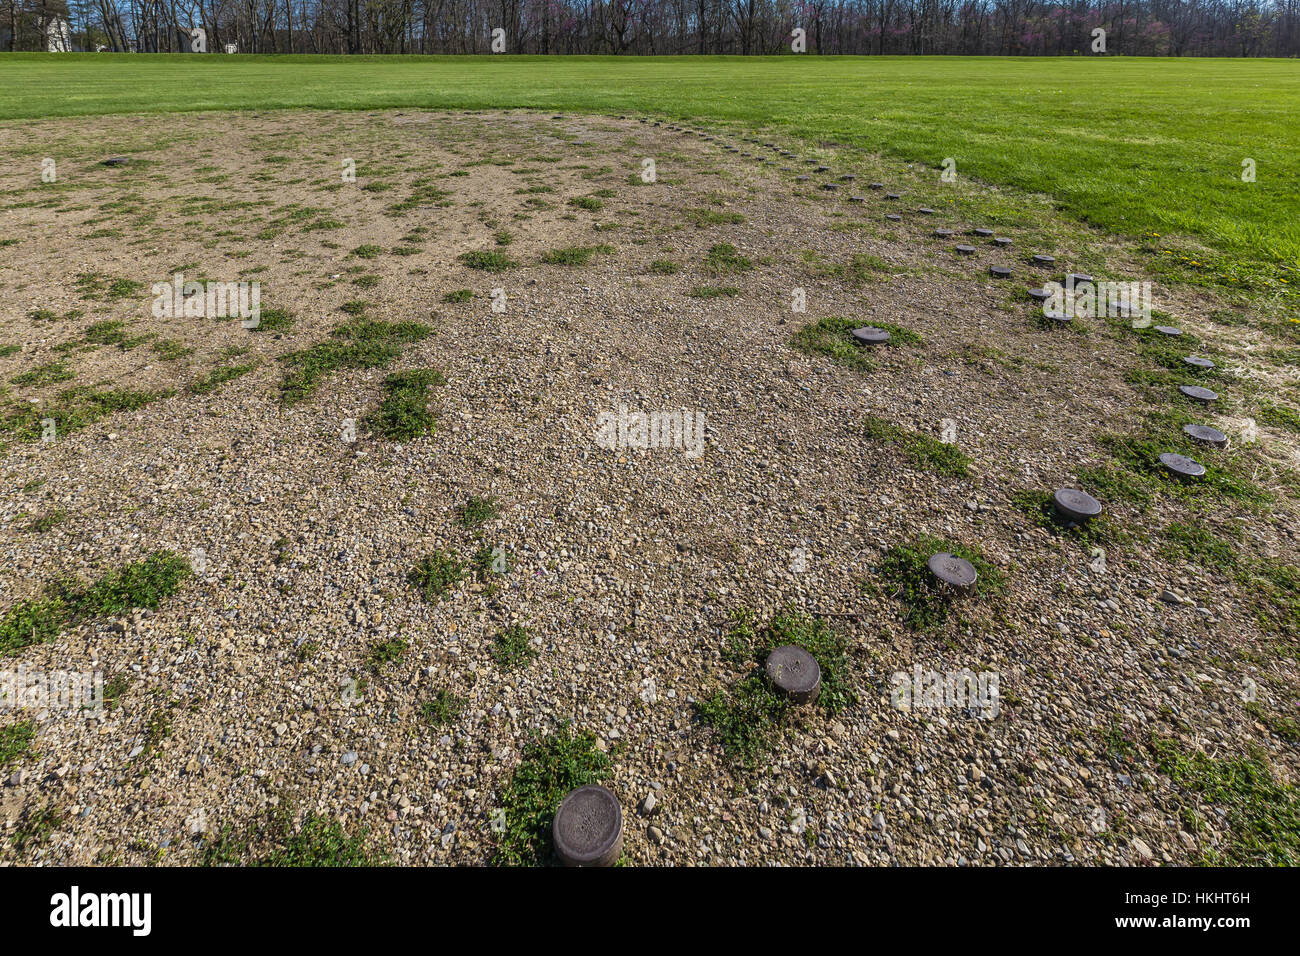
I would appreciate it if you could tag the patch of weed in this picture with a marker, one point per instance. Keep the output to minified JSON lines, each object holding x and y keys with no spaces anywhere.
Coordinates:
{"x":435,"y":574}
{"x":908,"y":579}
{"x":404,"y":413}
{"x":550,"y":768}
{"x":924,"y":450}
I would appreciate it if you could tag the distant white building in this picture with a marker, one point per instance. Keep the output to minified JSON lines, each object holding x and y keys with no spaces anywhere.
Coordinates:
{"x":232,"y":47}
{"x":58,"y":36}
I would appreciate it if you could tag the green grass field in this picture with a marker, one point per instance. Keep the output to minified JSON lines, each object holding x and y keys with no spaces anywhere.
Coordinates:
{"x":1137,"y":146}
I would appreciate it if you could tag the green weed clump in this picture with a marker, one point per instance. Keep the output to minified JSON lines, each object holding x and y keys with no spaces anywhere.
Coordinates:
{"x":144,"y":584}
{"x":361,"y":343}
{"x":747,"y":718}
{"x":907,"y":578}
{"x":435,"y":574}
{"x":549,"y":769}
{"x":404,"y":413}
{"x":832,"y":337}
{"x":925,"y":450}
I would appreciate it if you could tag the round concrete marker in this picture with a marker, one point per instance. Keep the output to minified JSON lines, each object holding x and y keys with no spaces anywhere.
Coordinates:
{"x":943,"y":233}
{"x":588,"y":828}
{"x":830,"y":187}
{"x":1041,"y":295}
{"x":983,"y":233}
{"x":1195,"y":361}
{"x":1002,"y":241}
{"x":1074,"y":278}
{"x":893,"y":195}
{"x":801,"y":179}
{"x":965,"y":250}
{"x":952,"y":571}
{"x":893,"y":217}
{"x":1041,"y":260}
{"x":1168,"y":330}
{"x":822,"y":169}
{"x":1206,"y":435}
{"x":1181,"y":466}
{"x":858,"y":199}
{"x":925,"y":211}
{"x":116,"y":161}
{"x":795,"y":673}
{"x":1074,"y":505}
{"x":848,"y":178}
{"x":1000,"y":272}
{"x":869,"y":335}
{"x":876,"y":186}
{"x":1198,"y":393}
{"x":1062,"y":318}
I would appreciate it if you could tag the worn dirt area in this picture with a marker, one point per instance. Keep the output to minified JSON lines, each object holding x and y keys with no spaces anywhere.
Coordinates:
{"x":258,"y":683}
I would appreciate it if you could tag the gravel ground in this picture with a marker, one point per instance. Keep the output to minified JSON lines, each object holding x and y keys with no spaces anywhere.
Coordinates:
{"x":624,"y":563}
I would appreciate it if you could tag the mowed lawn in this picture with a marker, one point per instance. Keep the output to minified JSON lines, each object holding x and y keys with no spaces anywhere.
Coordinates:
{"x":1138,"y":146}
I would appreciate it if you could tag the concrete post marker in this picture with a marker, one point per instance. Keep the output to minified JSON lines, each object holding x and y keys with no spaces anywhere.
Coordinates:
{"x":588,"y":828}
{"x":1206,"y":435}
{"x":795,"y":673}
{"x":1075,"y":506}
{"x":1180,"y":466}
{"x":1198,"y":394}
{"x":869,"y":335}
{"x":952,"y":571}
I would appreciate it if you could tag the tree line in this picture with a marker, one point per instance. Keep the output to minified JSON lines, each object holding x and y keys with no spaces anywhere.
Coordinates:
{"x":1237,"y":28}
